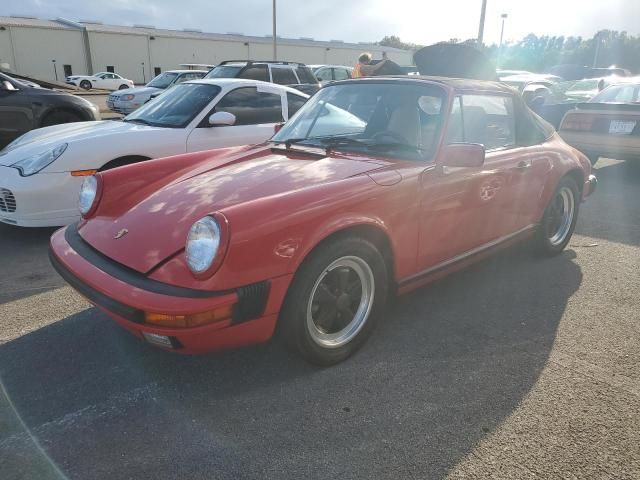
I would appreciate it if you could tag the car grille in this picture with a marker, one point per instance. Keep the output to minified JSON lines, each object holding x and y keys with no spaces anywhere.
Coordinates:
{"x":7,"y":201}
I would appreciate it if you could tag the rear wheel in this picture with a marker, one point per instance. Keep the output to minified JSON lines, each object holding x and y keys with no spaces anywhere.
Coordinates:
{"x":123,"y":87}
{"x":60,"y":116}
{"x":85,"y":84}
{"x":559,"y":218}
{"x":335,"y":300}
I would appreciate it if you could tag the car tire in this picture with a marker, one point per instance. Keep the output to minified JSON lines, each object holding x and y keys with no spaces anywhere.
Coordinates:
{"x":59,"y":116}
{"x":559,"y":219}
{"x":344,"y":281}
{"x":123,"y":87}
{"x":85,"y":85}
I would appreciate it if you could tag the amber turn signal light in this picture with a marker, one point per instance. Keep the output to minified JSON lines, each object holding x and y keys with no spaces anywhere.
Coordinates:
{"x":83,"y":173}
{"x":192,"y":320}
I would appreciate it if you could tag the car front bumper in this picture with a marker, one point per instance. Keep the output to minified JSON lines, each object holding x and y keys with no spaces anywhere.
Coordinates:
{"x":122,"y":106}
{"x":126,"y":295}
{"x":40,"y":200}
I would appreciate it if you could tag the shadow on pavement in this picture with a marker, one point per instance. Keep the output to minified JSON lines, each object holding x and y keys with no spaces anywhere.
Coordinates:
{"x":448,"y":365}
{"x":24,"y":265}
{"x":612,"y":212}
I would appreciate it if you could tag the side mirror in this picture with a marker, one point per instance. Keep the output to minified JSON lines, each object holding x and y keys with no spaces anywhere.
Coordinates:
{"x":8,"y":86}
{"x":463,"y":155}
{"x":277,"y":127}
{"x":222,"y":119}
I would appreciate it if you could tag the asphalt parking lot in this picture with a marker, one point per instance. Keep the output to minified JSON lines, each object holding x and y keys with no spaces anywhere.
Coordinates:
{"x":518,"y":367}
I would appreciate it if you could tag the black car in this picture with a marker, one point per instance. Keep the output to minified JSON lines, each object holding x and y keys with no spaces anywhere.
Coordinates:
{"x":23,"y":108}
{"x":291,"y":74}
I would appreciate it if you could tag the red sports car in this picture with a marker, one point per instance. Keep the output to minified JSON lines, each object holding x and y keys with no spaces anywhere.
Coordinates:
{"x":375,"y":187}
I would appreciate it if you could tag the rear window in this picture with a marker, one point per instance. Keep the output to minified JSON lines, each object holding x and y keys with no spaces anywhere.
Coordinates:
{"x":283,"y":76}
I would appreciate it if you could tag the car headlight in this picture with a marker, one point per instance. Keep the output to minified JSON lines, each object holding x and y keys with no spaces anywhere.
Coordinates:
{"x":127,"y":97}
{"x":88,"y":194}
{"x":35,"y":163}
{"x":203,"y":242}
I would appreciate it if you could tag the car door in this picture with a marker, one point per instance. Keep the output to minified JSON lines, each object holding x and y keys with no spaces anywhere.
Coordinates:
{"x":257,"y":111}
{"x":465,"y":208}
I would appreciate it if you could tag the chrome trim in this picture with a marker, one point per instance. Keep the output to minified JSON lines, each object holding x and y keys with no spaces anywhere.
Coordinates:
{"x":467,"y":254}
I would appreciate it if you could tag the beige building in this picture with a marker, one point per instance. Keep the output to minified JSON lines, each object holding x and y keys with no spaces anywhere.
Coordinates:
{"x":46,"y":48}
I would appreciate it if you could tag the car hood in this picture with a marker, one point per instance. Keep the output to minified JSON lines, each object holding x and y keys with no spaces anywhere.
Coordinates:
{"x":135,"y":91}
{"x":42,"y":139}
{"x":211,"y":187}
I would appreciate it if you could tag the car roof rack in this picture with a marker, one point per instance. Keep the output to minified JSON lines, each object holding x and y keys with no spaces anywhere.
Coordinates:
{"x":250,"y":62}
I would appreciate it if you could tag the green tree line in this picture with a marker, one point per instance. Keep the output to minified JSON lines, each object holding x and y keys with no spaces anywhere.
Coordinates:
{"x":538,"y":54}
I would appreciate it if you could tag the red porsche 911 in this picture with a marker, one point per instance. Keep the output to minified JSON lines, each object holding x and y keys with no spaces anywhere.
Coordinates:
{"x":375,"y":187}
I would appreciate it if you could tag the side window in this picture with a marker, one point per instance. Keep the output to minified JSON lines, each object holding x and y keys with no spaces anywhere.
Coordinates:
{"x":252,"y":107}
{"x":255,"y":72}
{"x":294,"y":103}
{"x":283,"y":76}
{"x":305,"y":74}
{"x":488,"y":120}
{"x":340,"y":74}
{"x":324,"y":75}
{"x":625,"y":95}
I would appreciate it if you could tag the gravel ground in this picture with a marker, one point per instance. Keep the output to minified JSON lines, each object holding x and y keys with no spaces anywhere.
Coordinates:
{"x":515,"y":368}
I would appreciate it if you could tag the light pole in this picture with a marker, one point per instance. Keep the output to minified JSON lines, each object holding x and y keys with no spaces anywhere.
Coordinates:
{"x":504,"y":17}
{"x":144,"y":77}
{"x":55,"y":70}
{"x":275,"y":47}
{"x":481,"y":28}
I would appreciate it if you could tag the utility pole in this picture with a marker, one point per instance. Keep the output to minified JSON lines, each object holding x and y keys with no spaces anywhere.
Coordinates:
{"x":595,"y":56}
{"x":504,"y":17}
{"x":275,"y":47}
{"x":481,"y":28}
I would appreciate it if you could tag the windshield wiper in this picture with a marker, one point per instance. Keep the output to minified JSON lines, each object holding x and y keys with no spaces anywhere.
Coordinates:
{"x":332,"y":143}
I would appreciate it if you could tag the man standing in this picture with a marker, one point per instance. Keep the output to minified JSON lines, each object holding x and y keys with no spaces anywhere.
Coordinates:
{"x":363,"y":60}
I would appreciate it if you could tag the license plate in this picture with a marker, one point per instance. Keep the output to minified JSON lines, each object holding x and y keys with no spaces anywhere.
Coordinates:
{"x":621,"y":127}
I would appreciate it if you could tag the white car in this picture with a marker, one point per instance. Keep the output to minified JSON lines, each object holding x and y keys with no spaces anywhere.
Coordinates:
{"x":128,"y":101}
{"x":101,"y":80}
{"x":41,"y":172}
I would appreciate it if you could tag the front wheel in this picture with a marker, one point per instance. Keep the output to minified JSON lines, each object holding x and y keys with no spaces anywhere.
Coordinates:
{"x":85,"y":85}
{"x":559,"y":218}
{"x":335,"y":300}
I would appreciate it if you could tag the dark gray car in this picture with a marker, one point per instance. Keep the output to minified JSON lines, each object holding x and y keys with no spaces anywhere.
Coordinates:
{"x":23,"y":108}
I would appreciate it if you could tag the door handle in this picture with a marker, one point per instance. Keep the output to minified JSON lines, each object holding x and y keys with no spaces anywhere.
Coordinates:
{"x":522,"y":165}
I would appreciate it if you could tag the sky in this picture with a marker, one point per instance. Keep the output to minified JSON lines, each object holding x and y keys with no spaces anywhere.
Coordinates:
{"x":417,"y":21}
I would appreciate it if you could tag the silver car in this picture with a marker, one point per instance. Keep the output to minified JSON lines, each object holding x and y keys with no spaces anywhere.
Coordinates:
{"x":126,"y":101}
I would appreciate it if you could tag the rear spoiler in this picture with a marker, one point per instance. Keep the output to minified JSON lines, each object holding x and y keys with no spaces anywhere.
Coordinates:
{"x":609,"y":107}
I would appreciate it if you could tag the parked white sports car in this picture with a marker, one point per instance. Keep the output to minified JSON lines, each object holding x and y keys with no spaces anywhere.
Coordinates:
{"x":41,"y":172}
{"x":101,"y":80}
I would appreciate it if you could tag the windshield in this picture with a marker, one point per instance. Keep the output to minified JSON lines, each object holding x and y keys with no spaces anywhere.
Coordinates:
{"x":176,"y":107}
{"x":163,"y":80}
{"x":397,"y":119}
{"x":618,"y":94}
{"x":224,"y":71}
